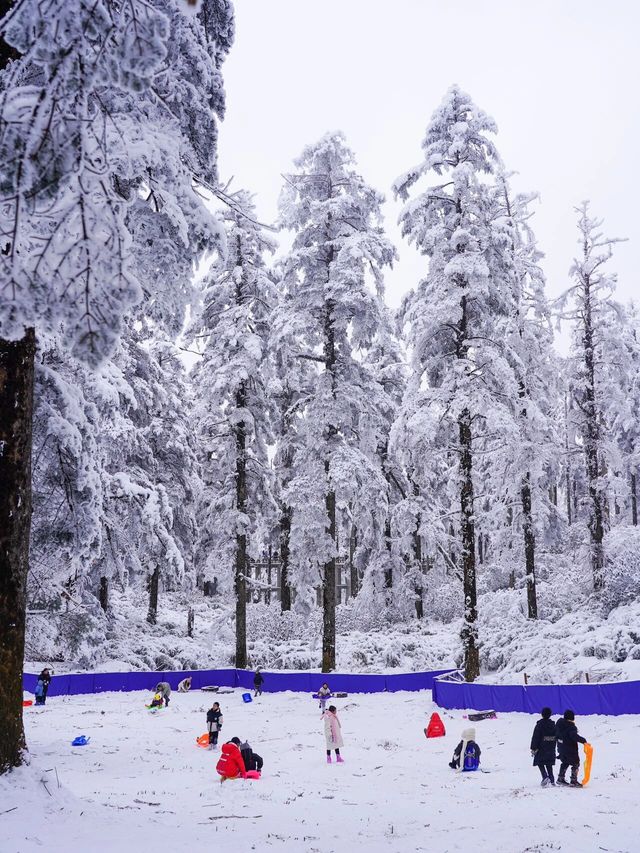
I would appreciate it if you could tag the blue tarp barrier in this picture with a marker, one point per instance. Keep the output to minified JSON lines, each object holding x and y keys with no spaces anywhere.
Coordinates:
{"x":274,"y":682}
{"x":621,"y":697}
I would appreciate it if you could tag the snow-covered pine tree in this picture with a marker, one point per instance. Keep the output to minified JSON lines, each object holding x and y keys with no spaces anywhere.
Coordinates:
{"x":82,"y":118}
{"x":232,"y":406}
{"x":332,"y":276}
{"x":588,"y":304}
{"x":519,"y":472}
{"x":463,"y":382}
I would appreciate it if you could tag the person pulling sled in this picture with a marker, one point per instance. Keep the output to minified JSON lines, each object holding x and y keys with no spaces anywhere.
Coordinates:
{"x":568,"y":739}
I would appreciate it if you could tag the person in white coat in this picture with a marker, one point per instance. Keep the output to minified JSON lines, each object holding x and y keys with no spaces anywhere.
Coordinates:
{"x":185,"y":685}
{"x":333,"y":733}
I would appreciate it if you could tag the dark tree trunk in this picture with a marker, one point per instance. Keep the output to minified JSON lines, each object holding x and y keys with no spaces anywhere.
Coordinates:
{"x":329,"y":580}
{"x":285,"y":533}
{"x":353,"y":569}
{"x":329,"y":591}
{"x":241,"y":539}
{"x":17,"y":360}
{"x":470,"y":629}
{"x":388,"y":573}
{"x":634,"y":501}
{"x":592,"y":443}
{"x":529,"y":546}
{"x":191,"y":618}
{"x":417,"y":556}
{"x":154,"y":583}
{"x":104,"y":593}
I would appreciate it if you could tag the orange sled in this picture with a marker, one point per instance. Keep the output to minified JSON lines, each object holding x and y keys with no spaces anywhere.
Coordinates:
{"x":588,"y":757}
{"x":203,"y":740}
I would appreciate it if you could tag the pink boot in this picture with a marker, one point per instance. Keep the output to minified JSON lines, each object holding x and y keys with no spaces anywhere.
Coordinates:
{"x":339,"y":759}
{"x":328,"y":759}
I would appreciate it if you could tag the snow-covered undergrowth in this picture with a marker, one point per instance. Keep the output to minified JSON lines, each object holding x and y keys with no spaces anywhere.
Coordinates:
{"x":606,"y":645}
{"x":142,"y":783}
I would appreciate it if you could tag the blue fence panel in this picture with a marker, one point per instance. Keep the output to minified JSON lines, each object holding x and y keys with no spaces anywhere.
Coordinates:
{"x":622,"y":697}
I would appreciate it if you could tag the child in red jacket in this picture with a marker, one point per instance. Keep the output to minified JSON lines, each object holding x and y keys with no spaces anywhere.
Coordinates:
{"x":231,"y":763}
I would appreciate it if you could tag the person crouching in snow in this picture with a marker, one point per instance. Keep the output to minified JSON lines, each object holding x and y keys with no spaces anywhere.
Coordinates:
{"x":323,"y":695}
{"x":252,"y":761}
{"x":466,"y":755}
{"x":231,"y":764}
{"x":568,"y":739}
{"x":185,"y":685}
{"x":214,"y":723}
{"x":543,"y":747}
{"x":332,"y":733}
{"x":164,"y":689}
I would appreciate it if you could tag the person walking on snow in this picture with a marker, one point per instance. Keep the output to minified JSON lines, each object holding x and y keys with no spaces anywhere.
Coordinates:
{"x":543,"y":747}
{"x":568,"y":739}
{"x":164,"y":689}
{"x":323,"y":695}
{"x":231,"y":764}
{"x":258,"y":681}
{"x":332,"y":733}
{"x":214,"y":723}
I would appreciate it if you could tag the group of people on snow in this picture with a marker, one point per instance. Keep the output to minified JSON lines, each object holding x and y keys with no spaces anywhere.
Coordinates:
{"x":563,"y":735}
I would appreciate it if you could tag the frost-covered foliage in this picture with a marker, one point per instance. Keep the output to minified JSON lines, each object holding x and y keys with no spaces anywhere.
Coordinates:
{"x":110,"y":105}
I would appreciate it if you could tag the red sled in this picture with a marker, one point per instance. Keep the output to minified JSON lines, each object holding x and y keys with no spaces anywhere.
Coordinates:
{"x":436,"y":727}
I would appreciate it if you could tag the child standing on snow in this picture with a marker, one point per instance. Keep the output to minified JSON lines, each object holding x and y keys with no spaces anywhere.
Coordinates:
{"x":332,"y":733}
{"x":258,"y":681}
{"x":323,"y":695}
{"x":543,"y":747}
{"x":568,"y":740}
{"x":214,"y":723}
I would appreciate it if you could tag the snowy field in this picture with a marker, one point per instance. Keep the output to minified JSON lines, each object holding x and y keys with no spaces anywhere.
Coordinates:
{"x":142,"y":784}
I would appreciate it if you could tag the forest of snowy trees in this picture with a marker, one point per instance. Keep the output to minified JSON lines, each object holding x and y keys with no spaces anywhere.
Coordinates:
{"x":182,"y":399}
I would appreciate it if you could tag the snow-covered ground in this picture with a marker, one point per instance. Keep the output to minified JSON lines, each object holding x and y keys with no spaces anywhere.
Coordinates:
{"x":142,"y":784}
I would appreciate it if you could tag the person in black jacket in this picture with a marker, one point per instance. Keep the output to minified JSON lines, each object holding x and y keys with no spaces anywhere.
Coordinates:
{"x":568,"y":739}
{"x":258,"y":681}
{"x":45,"y":678}
{"x":252,"y":761}
{"x":214,"y":723}
{"x":543,"y":747}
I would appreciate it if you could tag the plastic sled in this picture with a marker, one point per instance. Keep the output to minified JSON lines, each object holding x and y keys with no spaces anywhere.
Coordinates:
{"x":253,"y":774}
{"x":246,"y":697}
{"x":81,"y":740}
{"x":212,"y":688}
{"x":203,"y":740}
{"x":588,"y":758}
{"x":26,"y":703}
{"x":481,"y":715}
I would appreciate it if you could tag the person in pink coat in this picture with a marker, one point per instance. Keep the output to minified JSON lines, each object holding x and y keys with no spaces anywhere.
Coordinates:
{"x":332,"y":733}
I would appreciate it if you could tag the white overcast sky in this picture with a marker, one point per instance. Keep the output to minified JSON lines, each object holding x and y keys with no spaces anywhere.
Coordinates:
{"x":560,"y":77}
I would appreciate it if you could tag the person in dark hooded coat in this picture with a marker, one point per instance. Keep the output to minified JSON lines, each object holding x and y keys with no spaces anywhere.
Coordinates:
{"x":568,"y":740}
{"x":543,"y":747}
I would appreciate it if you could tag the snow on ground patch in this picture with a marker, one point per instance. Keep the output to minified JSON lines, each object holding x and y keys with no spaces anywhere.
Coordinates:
{"x":142,"y":783}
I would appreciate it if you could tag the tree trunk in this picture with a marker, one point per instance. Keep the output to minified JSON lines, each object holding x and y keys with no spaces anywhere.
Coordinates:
{"x":388,"y":572}
{"x":354,"y":580}
{"x":592,"y":445}
{"x":329,"y":580}
{"x":154,"y":582}
{"x":285,"y":533}
{"x":329,"y":591}
{"x":191,"y":618}
{"x":417,"y":553}
{"x":529,"y":546}
{"x":469,"y":630}
{"x":17,"y":361}
{"x":634,"y":501}
{"x":104,"y":593}
{"x":241,"y":539}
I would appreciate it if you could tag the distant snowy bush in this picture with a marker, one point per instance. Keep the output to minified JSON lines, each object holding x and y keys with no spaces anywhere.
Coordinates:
{"x":622,"y":572}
